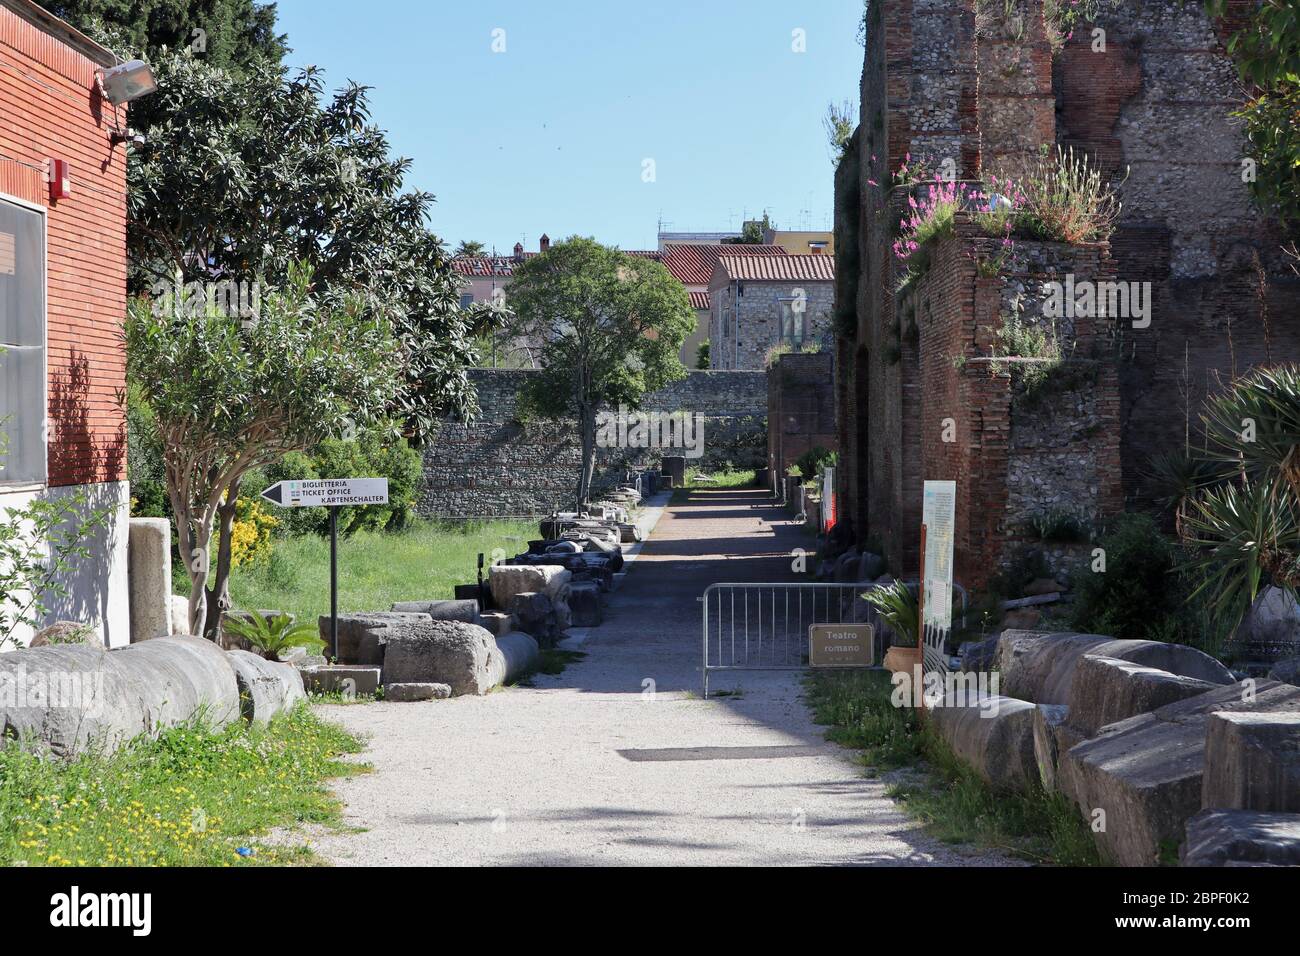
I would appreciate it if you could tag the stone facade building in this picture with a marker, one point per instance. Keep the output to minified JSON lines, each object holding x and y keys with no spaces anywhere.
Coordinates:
{"x":978,"y":89}
{"x":759,"y":303}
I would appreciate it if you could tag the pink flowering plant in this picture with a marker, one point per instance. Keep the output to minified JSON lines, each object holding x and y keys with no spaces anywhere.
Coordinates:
{"x":932,"y":211}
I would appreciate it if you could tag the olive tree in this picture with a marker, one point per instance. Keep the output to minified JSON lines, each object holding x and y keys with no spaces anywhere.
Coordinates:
{"x":232,"y":394}
{"x":605,"y":328}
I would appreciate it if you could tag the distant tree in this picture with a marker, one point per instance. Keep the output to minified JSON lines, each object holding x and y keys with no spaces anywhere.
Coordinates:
{"x":230,"y":395}
{"x":751,"y":234}
{"x":607,"y":328}
{"x":241,"y":177}
{"x":702,"y":356}
{"x":230,"y":34}
{"x":468,"y":249}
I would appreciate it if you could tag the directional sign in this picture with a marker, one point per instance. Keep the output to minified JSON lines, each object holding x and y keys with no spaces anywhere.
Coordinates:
{"x":328,"y":492}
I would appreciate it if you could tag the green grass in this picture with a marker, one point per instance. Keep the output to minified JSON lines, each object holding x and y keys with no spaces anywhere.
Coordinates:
{"x":193,"y":797}
{"x":422,"y":563}
{"x":730,"y":478}
{"x":949,"y":797}
{"x":855,"y":706}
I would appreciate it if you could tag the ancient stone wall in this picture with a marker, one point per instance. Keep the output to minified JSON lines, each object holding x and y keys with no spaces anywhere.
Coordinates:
{"x":501,"y":464}
{"x":800,"y":409}
{"x":944,"y":91}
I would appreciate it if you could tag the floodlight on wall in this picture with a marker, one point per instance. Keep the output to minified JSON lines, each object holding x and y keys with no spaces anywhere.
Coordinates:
{"x":127,"y":81}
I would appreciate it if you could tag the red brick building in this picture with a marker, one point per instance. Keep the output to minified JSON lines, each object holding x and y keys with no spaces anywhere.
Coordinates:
{"x":63,"y":294}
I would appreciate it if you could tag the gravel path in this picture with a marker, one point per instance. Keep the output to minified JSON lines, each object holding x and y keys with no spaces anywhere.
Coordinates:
{"x":542,"y":775}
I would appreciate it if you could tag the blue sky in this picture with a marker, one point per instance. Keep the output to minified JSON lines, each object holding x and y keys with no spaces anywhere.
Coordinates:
{"x":552,"y":134}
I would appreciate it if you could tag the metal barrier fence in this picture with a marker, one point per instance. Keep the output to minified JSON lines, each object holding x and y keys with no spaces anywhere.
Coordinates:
{"x":764,"y":627}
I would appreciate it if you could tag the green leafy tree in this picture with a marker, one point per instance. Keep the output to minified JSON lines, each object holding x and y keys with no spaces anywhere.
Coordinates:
{"x":230,"y":34}
{"x":244,"y":176}
{"x":231,"y":395}
{"x":606,"y":328}
{"x":1266,"y":50}
{"x":468,"y":249}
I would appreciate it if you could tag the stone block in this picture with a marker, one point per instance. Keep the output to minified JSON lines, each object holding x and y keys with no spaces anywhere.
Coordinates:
{"x":362,"y":636}
{"x":1049,"y":719}
{"x":521,"y":654}
{"x":149,"y":575}
{"x":507,"y":580}
{"x":179,"y":610}
{"x":1146,"y":772}
{"x":1287,"y":671}
{"x":534,"y":614}
{"x":350,"y":680}
{"x":72,"y":698}
{"x":463,"y":656}
{"x":1242,"y":838}
{"x":1252,"y":761}
{"x":410,"y":693}
{"x":1041,"y":667}
{"x":497,"y":622}
{"x":463,"y":610}
{"x":266,"y":688}
{"x":1106,"y":690}
{"x":995,"y":736}
{"x":584,"y":605}
{"x":63,"y":633}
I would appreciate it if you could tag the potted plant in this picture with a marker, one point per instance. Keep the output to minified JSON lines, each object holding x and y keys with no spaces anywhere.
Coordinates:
{"x":897,"y":607}
{"x":273,"y":634}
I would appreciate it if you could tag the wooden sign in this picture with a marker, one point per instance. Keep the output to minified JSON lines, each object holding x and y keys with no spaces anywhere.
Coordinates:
{"x":841,"y":645}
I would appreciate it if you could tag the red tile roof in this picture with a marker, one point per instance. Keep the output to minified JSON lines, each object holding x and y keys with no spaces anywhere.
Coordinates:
{"x":818,"y":268}
{"x":693,"y":265}
{"x":700,"y":301}
{"x":688,"y":264}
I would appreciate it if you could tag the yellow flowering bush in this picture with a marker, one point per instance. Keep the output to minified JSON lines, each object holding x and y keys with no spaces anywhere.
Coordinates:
{"x":250,"y":538}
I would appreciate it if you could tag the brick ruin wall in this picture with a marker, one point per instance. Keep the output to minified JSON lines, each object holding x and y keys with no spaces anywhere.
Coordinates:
{"x":1156,"y":102}
{"x":800,"y":410}
{"x":498,"y":465}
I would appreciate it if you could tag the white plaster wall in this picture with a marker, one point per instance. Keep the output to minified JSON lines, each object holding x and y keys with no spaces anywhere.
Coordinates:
{"x":97,"y":588}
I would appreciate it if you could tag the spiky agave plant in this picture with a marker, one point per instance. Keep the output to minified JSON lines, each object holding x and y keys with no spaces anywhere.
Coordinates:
{"x":898,"y":607}
{"x":1247,"y":529}
{"x":1245,"y":534}
{"x":1177,"y":478}
{"x":272,"y":634}
{"x":1253,"y":429}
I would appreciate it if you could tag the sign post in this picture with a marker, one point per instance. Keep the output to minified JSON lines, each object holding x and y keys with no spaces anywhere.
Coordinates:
{"x":331,"y":493}
{"x":938,"y":516}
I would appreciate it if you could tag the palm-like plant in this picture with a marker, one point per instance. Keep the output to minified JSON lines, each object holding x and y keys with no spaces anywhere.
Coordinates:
{"x":273,"y":634}
{"x":1253,"y":429}
{"x":898,"y":607}
{"x":1242,"y":533}
{"x":1178,"y":477}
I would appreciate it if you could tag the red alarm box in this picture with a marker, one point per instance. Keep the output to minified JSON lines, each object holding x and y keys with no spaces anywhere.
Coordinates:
{"x":60,"y":179}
